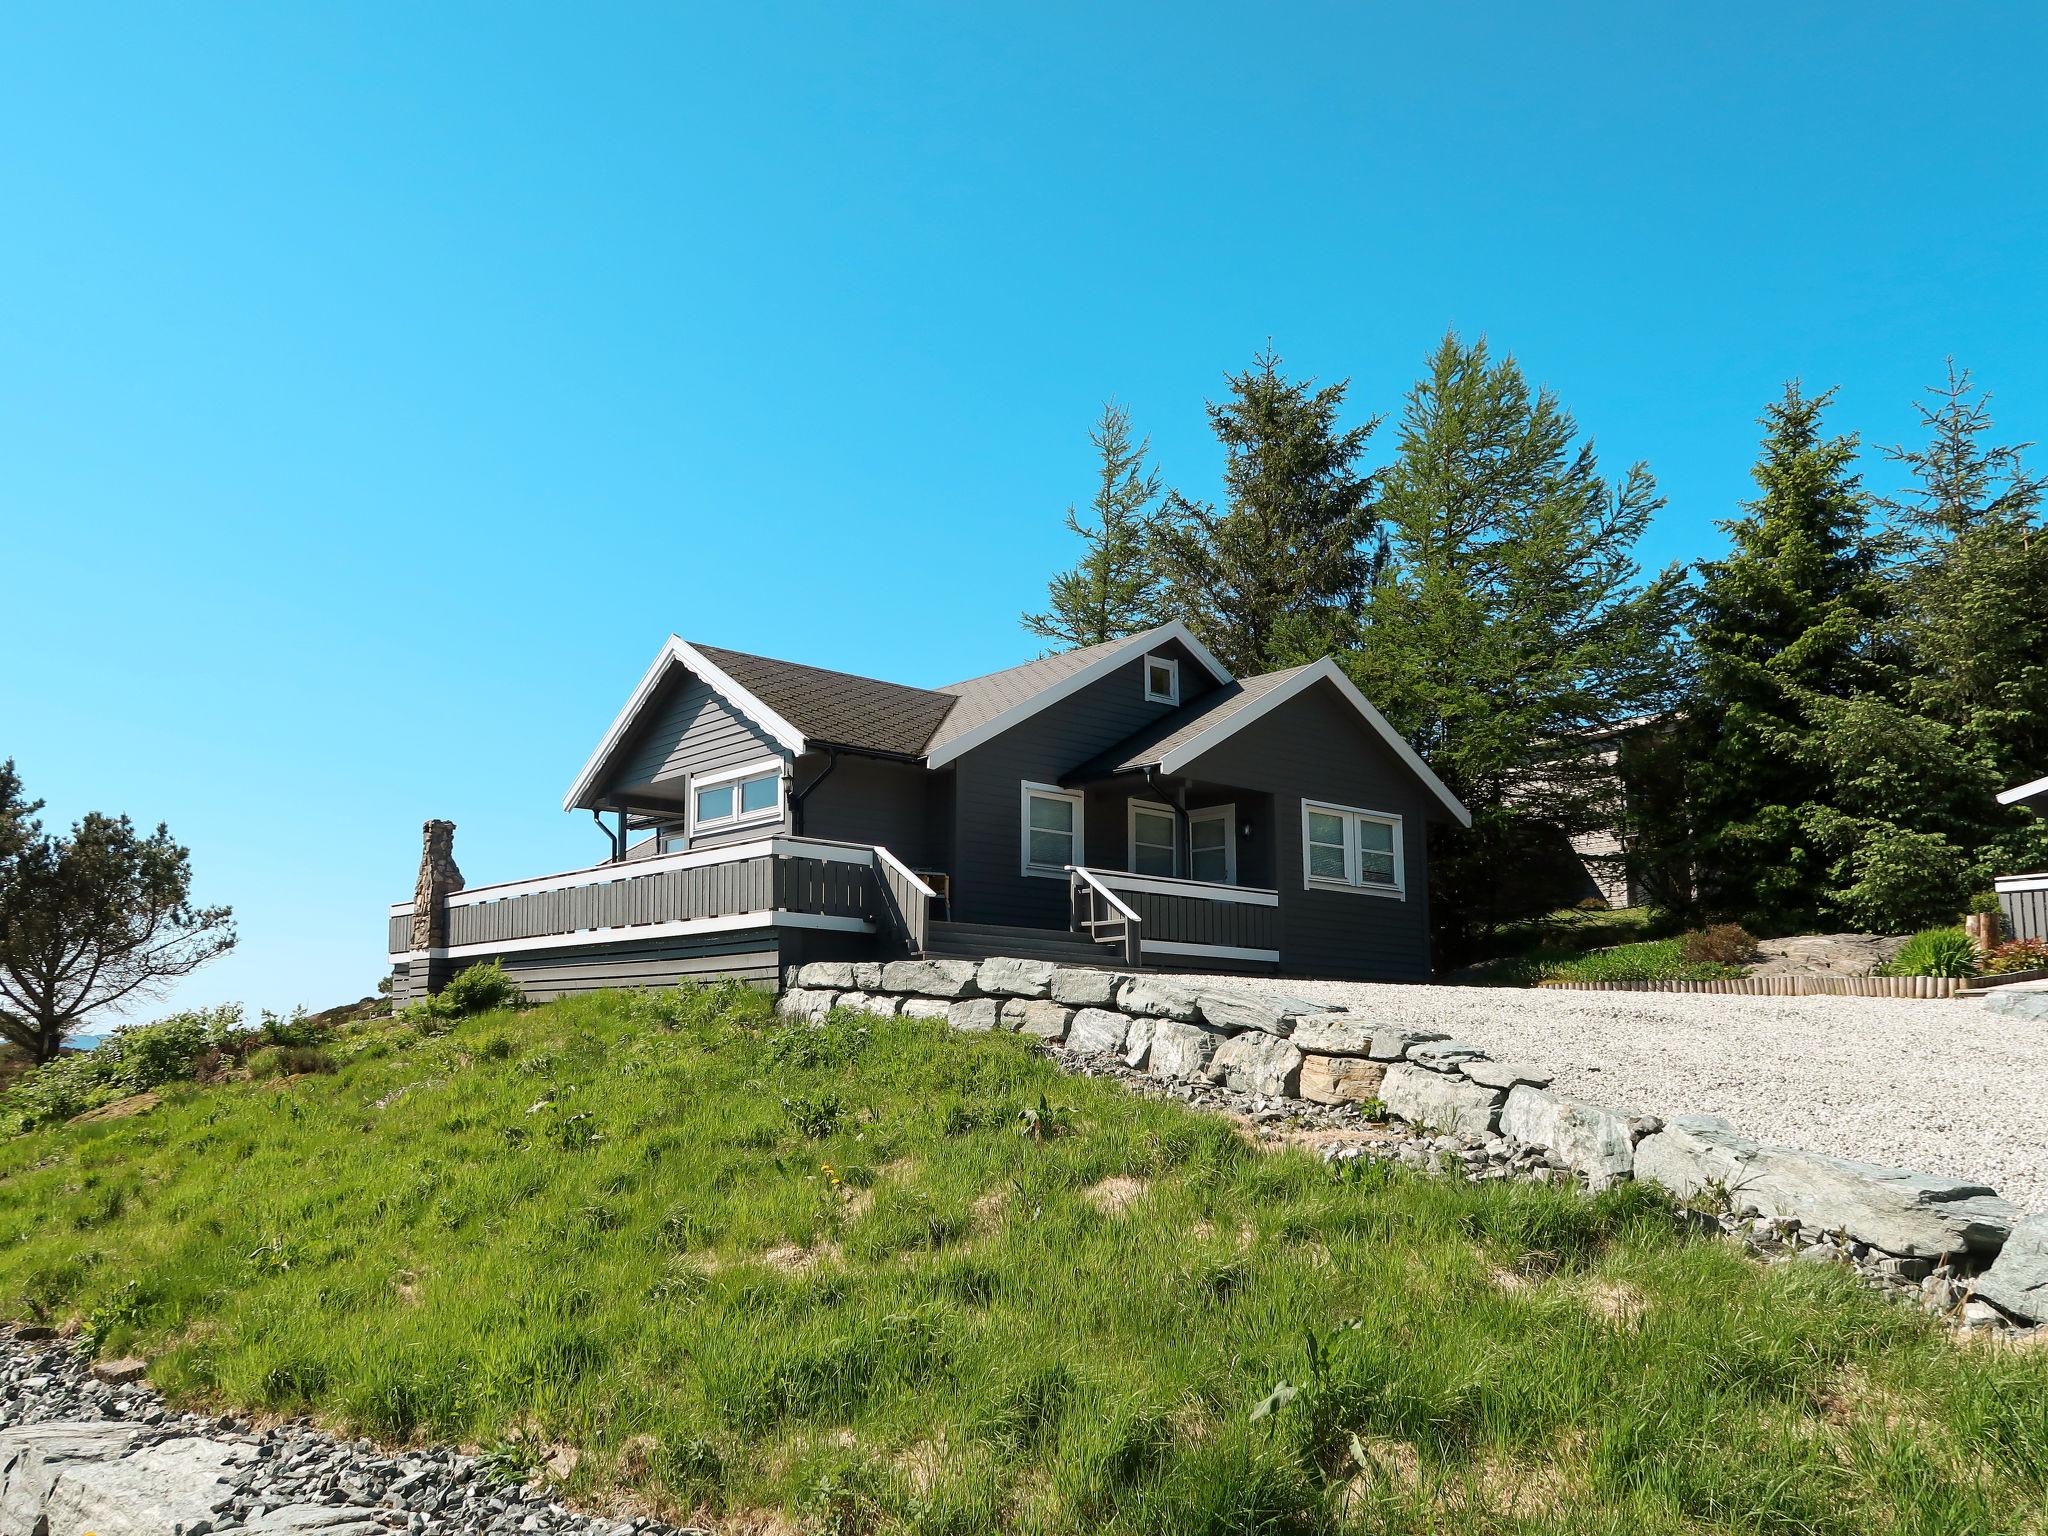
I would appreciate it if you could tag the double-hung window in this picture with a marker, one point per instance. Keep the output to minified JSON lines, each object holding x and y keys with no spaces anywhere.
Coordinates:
{"x":1154,"y":840}
{"x":1051,"y":830}
{"x":1344,"y":848}
{"x":735,"y":797}
{"x":1212,"y":845}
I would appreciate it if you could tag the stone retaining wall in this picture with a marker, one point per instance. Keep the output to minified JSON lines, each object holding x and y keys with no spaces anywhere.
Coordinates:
{"x":1905,"y":1226}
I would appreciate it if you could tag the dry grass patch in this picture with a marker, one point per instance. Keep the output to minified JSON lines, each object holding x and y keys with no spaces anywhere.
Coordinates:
{"x":1616,"y":1302}
{"x":1116,"y":1194}
{"x":795,"y":1259}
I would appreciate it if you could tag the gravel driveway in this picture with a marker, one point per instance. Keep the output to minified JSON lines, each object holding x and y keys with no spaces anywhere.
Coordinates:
{"x":1941,"y":1087}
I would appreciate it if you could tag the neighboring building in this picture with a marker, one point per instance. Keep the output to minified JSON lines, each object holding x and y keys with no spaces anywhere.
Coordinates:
{"x":1129,"y":803}
{"x":2024,"y":898}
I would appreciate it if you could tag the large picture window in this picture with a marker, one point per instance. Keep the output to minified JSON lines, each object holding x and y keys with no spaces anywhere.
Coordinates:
{"x":735,"y":797}
{"x":1051,"y":830}
{"x":1345,"y":848}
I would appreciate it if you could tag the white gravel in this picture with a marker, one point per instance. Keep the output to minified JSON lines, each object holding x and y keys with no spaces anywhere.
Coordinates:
{"x":1940,"y":1087}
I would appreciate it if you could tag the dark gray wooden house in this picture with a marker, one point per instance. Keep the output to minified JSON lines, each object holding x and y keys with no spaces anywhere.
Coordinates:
{"x":1129,"y":804}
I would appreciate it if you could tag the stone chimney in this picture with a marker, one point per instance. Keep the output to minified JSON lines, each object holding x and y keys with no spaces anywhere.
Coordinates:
{"x":439,"y":879}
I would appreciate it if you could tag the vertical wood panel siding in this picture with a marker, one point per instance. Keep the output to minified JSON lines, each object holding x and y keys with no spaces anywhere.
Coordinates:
{"x":906,"y":909}
{"x":987,"y":884}
{"x":400,"y":935}
{"x":2026,"y":913}
{"x":1315,"y":746}
{"x":1191,"y":920}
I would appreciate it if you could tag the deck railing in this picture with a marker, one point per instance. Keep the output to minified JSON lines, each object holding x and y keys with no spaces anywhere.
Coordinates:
{"x":1157,"y":918}
{"x":807,"y":882}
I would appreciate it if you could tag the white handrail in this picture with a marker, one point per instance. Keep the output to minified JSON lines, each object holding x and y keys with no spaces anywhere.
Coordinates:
{"x":634,"y":869}
{"x":1088,"y":876}
{"x":905,"y":871}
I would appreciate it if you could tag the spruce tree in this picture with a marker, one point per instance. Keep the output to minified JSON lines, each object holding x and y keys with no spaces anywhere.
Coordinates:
{"x":1113,"y":591}
{"x":1510,"y":631}
{"x":1782,"y":629}
{"x":1286,"y":561}
{"x":1972,"y":587}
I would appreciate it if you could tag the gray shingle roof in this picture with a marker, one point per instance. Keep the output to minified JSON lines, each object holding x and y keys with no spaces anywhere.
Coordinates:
{"x":839,"y":708}
{"x":983,"y":698}
{"x":1153,"y":743}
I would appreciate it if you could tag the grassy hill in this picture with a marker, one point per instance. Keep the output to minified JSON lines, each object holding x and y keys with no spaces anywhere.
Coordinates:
{"x":820,"y":1279}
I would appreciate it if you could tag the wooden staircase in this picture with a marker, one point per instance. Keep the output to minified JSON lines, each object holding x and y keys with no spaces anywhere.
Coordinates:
{"x":979,"y":941}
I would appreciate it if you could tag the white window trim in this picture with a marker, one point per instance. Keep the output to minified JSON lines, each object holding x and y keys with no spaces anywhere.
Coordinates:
{"x":1351,"y":882}
{"x":1172,"y":694}
{"x":1131,"y":811}
{"x":1227,"y":814}
{"x":1025,"y":791}
{"x":701,"y":781}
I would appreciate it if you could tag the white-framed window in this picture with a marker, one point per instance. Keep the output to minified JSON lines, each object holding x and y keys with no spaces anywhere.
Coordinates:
{"x":1212,"y":844}
{"x":1345,"y":848}
{"x":1162,"y":680}
{"x":735,"y":797}
{"x":1051,"y":830}
{"x":1154,"y":839}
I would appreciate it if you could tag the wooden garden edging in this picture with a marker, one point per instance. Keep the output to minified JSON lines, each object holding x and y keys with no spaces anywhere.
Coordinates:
{"x":1786,"y":986}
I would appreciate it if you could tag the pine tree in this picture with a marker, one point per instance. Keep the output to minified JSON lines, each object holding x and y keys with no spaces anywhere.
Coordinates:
{"x":1113,"y":591}
{"x":1972,"y":589}
{"x":1782,"y":629}
{"x":1510,"y":631}
{"x":1286,"y":560}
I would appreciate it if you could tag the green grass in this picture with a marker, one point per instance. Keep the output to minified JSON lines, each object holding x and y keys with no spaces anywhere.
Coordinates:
{"x":750,"y":1269}
{"x":1649,"y":960}
{"x":1623,"y":944}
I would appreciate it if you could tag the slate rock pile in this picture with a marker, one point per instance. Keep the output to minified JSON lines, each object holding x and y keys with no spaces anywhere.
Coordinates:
{"x":1948,"y":1244}
{"x":87,"y":1448}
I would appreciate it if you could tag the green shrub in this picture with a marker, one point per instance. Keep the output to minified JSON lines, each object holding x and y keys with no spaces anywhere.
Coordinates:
{"x":134,"y":1059}
{"x":290,"y":1061}
{"x":1721,"y":944}
{"x":2016,"y":955}
{"x":1984,"y":903}
{"x":480,"y":989}
{"x":1935,"y":952}
{"x":294,"y":1029}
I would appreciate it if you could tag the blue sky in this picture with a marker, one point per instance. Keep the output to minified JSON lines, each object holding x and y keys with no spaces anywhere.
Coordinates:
{"x":380,"y":384}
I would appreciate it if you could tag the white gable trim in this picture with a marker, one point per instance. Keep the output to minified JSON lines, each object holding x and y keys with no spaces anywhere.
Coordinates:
{"x":1067,"y":687}
{"x":1324,"y":671}
{"x":679,"y":652}
{"x":2022,"y":792}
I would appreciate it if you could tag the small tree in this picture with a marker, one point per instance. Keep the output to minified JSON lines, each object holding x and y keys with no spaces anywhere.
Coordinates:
{"x":90,"y":919}
{"x":1277,"y":574}
{"x":1113,"y":591}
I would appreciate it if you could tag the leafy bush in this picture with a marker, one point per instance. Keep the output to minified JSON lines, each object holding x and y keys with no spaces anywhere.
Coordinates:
{"x":1935,"y":952}
{"x":2016,"y":955}
{"x":297,"y":1028}
{"x":132,"y":1060}
{"x":479,"y":989}
{"x":1983,"y":903}
{"x":1721,"y":944}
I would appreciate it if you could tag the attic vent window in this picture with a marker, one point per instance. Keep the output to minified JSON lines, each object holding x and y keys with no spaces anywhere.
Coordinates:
{"x":1162,"y":680}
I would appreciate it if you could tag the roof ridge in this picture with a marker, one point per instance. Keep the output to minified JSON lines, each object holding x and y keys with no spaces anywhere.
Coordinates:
{"x":783,"y":661}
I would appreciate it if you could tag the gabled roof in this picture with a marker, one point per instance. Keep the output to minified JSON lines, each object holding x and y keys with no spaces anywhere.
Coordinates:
{"x":992,"y":704}
{"x":2027,"y":794}
{"x":839,"y":709}
{"x":1186,"y":734}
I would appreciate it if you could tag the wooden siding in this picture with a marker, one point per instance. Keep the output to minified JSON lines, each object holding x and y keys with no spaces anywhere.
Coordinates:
{"x":1315,"y":747}
{"x":1195,"y":920}
{"x":2026,"y":913}
{"x":869,"y":800}
{"x":988,"y":886}
{"x":686,"y":729}
{"x":751,"y":956}
{"x":399,"y":934}
{"x":713,"y":890}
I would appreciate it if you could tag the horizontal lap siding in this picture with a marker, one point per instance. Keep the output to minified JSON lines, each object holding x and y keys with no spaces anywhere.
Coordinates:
{"x":1315,"y":747}
{"x":866,"y":800}
{"x":689,"y":729}
{"x":751,"y":956}
{"x":717,"y":890}
{"x":988,"y":886}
